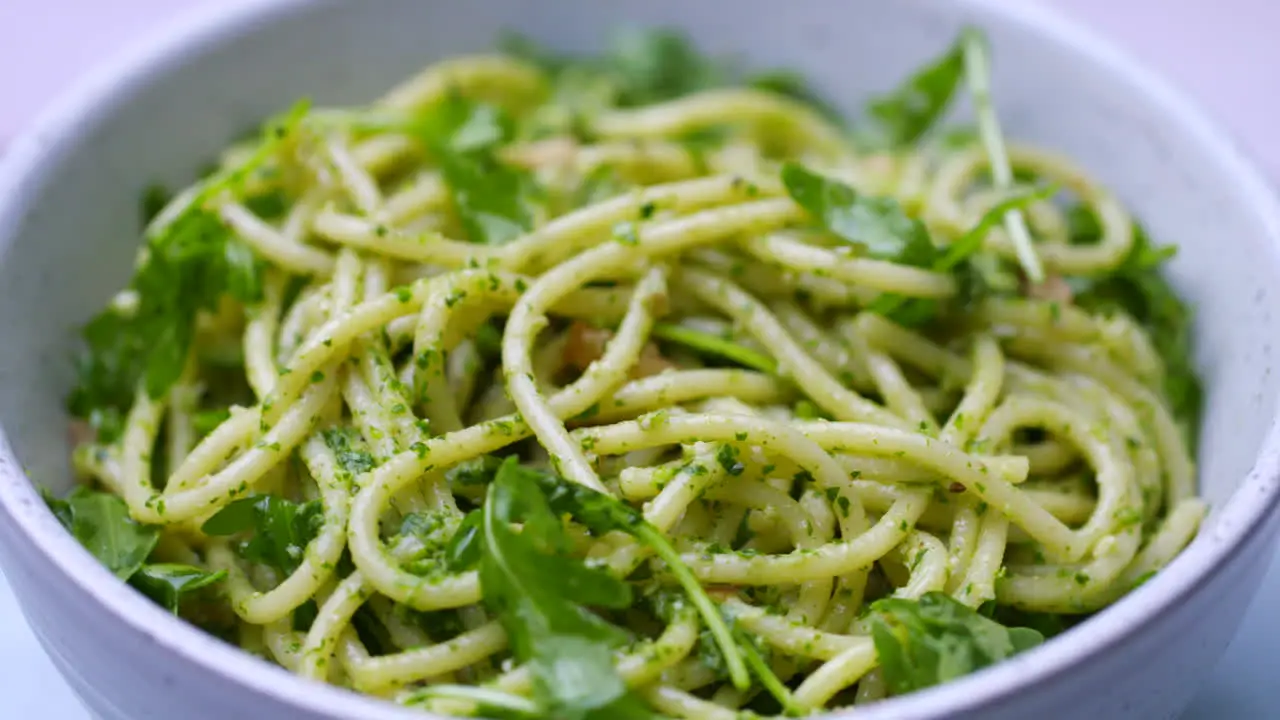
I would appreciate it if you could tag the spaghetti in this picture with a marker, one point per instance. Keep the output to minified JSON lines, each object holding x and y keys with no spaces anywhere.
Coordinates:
{"x":860,"y":395}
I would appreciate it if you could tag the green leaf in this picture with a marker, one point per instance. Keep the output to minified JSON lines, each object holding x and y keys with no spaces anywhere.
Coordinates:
{"x":964,"y":258}
{"x":709,"y":345}
{"x":970,"y":243}
{"x":492,"y":199}
{"x":100,"y":521}
{"x":167,"y":583}
{"x":1139,"y":289}
{"x":877,"y":225}
{"x":915,"y":106}
{"x":279,"y":529}
{"x":464,"y":548}
{"x":541,"y":594}
{"x":568,"y":648}
{"x":603,"y":513}
{"x":349,"y":449}
{"x":305,"y":614}
{"x":653,"y":65}
{"x":793,"y":85}
{"x":191,"y":262}
{"x":936,"y":639}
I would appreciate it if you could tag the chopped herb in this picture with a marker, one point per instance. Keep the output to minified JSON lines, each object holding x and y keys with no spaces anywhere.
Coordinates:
{"x":349,"y":448}
{"x":727,"y":456}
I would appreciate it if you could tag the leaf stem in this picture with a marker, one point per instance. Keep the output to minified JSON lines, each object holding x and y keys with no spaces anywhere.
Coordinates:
{"x":771,"y":682}
{"x":978,"y":73}
{"x":733,"y":659}
{"x":478,"y":695}
{"x":711,"y":345}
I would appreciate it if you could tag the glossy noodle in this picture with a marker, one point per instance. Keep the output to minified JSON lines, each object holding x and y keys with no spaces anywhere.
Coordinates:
{"x":549,"y":387}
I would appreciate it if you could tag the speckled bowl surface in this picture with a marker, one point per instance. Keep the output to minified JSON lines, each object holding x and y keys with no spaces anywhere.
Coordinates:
{"x":68,"y":194}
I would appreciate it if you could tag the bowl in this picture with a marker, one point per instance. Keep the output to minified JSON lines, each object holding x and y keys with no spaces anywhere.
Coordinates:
{"x":68,"y":194}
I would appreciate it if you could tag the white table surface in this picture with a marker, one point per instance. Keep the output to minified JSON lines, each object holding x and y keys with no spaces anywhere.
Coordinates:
{"x":1224,"y":53}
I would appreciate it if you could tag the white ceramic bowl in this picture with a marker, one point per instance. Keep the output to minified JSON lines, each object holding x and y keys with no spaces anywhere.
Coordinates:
{"x":68,"y":193}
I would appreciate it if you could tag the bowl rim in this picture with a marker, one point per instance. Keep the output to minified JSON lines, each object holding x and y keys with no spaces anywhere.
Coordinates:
{"x":1243,"y":516}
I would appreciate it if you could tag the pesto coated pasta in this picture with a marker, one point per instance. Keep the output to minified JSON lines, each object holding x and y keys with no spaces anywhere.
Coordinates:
{"x":634,"y":386}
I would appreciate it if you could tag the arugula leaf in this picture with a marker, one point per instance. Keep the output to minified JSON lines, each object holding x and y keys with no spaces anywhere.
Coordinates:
{"x":936,"y":639}
{"x":603,"y":513}
{"x":963,"y":256}
{"x":492,"y":198}
{"x":878,"y":225}
{"x":793,"y":85}
{"x":715,"y":346}
{"x":280,"y":529}
{"x":1047,"y":624}
{"x":653,"y":65}
{"x":190,"y":262}
{"x":641,"y":66}
{"x":909,"y":111}
{"x":349,"y":449}
{"x":100,"y":521}
{"x":1139,"y":289}
{"x":166,"y":583}
{"x":567,"y":648}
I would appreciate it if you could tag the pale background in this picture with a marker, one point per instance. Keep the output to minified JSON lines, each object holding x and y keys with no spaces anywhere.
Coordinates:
{"x":1223,"y":52}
